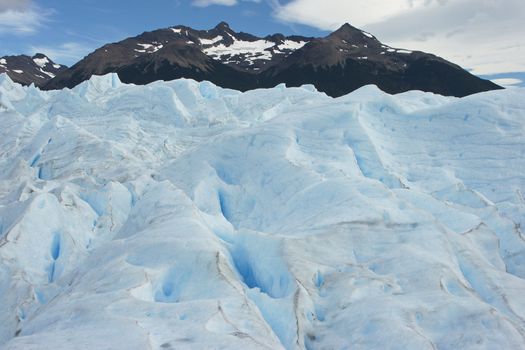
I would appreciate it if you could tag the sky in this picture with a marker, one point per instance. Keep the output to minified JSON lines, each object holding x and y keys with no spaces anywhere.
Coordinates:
{"x":486,"y":37}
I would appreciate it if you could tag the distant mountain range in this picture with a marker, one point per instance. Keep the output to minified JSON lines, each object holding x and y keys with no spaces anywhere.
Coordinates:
{"x":27,"y":70}
{"x":336,"y":64}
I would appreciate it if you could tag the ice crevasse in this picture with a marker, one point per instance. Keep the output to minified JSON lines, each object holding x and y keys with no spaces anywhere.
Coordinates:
{"x":180,"y":215}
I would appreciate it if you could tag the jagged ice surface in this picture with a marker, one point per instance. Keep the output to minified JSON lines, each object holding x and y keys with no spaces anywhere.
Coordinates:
{"x":181,"y":215}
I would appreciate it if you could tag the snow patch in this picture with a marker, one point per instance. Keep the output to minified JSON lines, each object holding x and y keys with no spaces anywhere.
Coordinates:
{"x":41,"y":62}
{"x":211,"y":41}
{"x":49,"y":74}
{"x":255,"y":50}
{"x":150,"y":48}
{"x":291,"y":45}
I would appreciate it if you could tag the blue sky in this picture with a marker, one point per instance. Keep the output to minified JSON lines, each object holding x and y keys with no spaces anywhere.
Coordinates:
{"x":486,"y":37}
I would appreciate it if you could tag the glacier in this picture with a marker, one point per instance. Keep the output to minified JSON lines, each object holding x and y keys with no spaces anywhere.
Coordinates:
{"x":180,"y":215}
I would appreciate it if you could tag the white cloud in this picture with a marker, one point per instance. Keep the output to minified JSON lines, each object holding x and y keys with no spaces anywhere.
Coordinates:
{"x":486,"y":36}
{"x":508,"y":82}
{"x":333,"y":13}
{"x":14,"y":4}
{"x":21,"y":17}
{"x":66,"y":53}
{"x":206,"y":3}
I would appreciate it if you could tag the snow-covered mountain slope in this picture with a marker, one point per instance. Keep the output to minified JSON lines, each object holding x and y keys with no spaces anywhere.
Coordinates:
{"x":181,"y":215}
{"x":241,"y":50}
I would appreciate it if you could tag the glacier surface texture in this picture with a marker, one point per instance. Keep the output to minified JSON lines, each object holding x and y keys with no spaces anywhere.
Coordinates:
{"x":180,"y":215}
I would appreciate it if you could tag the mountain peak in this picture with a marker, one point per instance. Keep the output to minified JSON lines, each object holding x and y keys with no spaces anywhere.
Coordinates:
{"x":222,"y":25}
{"x":347,"y":31}
{"x":346,"y":28}
{"x":39,"y":55}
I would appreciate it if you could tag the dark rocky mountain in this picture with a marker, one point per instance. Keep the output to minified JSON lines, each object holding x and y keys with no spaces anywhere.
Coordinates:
{"x":26,"y":70}
{"x":337,"y":64}
{"x":220,"y":55}
{"x":350,"y":58}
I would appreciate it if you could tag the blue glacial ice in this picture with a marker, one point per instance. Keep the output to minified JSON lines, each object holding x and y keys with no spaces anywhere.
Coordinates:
{"x":180,"y":215}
